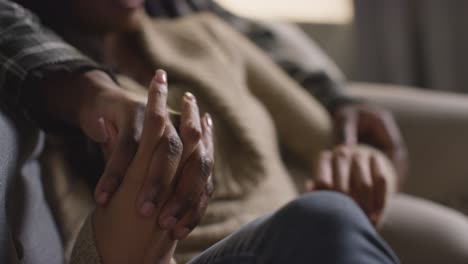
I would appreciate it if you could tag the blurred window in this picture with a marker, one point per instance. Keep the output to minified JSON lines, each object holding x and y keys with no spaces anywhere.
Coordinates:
{"x":306,"y":11}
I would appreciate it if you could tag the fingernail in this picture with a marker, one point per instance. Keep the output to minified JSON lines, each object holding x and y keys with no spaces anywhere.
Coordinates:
{"x":147,"y":209}
{"x":189,"y":96}
{"x":181,"y":233}
{"x":161,"y":76}
{"x":209,"y":121}
{"x":169,"y":222}
{"x":102,"y":197}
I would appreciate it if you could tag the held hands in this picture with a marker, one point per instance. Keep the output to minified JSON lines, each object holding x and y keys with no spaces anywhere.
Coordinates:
{"x":360,"y":172}
{"x":166,"y":187}
{"x":125,"y":112}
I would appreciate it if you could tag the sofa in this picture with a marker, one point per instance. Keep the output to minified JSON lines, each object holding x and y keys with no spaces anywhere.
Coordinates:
{"x":435,"y":128}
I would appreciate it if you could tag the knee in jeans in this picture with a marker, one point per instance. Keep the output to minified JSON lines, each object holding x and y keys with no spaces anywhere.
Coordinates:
{"x":329,"y":211}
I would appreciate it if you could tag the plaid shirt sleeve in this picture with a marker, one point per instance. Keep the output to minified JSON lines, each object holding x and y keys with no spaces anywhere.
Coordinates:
{"x":28,"y":50}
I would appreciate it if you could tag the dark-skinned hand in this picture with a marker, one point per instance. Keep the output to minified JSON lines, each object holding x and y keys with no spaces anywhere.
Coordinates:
{"x":134,"y":227}
{"x":360,"y":172}
{"x":374,"y":126}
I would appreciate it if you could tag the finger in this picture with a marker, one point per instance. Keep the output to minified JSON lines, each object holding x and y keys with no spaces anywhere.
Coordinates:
{"x":341,"y":169}
{"x":347,"y":126}
{"x":323,"y":178}
{"x":155,"y":117}
{"x":161,"y":172}
{"x":361,"y":182}
{"x":190,"y":127}
{"x":380,"y":188}
{"x":190,"y":184}
{"x":110,"y":132}
{"x":193,"y":217}
{"x":117,"y":164}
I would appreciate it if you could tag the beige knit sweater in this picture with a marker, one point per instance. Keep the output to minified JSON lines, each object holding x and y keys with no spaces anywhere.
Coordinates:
{"x":255,"y":107}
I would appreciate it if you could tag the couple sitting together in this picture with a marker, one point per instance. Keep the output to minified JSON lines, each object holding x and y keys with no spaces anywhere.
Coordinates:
{"x":195,"y":169}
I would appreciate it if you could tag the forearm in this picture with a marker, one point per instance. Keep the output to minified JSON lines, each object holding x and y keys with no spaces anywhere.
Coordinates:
{"x":65,"y":97}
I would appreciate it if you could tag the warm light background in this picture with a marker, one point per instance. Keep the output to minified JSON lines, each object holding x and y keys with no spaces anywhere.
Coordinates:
{"x":310,"y":11}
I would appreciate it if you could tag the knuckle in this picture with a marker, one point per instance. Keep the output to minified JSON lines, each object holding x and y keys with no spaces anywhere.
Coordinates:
{"x":342,"y":151}
{"x":206,"y":166}
{"x":156,"y":119}
{"x":173,"y":146}
{"x":158,"y":91}
{"x":193,"y":133}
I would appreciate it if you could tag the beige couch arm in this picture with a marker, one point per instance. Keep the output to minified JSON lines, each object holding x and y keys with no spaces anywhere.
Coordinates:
{"x":435,"y":128}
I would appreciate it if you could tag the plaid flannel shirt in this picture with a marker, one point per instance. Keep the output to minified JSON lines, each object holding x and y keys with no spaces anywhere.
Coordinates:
{"x":28,"y":51}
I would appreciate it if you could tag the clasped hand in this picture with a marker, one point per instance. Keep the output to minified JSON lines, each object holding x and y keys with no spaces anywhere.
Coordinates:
{"x":166,"y":187}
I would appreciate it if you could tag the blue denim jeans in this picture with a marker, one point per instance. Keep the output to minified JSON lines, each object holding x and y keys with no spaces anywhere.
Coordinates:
{"x":320,"y":227}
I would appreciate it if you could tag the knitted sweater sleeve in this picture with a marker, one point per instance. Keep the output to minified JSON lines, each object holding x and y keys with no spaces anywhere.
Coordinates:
{"x":303,"y":124}
{"x":84,"y":251}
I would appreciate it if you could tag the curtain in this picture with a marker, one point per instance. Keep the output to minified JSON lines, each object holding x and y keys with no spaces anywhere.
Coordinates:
{"x":412,"y":42}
